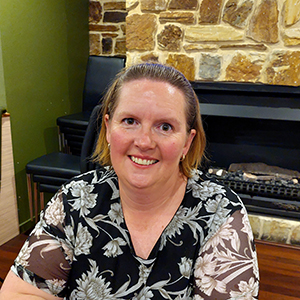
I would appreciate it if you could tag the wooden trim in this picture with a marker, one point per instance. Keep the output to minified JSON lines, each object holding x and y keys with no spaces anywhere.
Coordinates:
{"x":273,"y":244}
{"x":9,"y":220}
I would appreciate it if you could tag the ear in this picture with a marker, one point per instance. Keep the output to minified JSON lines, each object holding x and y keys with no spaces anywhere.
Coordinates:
{"x":189,"y":140}
{"x":106,"y":121}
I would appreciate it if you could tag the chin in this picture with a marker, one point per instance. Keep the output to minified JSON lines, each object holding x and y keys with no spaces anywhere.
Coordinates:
{"x":139,"y":185}
{"x":140,"y":182}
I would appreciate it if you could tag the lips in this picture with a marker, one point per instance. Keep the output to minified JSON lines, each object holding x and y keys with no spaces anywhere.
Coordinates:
{"x":143,"y":162}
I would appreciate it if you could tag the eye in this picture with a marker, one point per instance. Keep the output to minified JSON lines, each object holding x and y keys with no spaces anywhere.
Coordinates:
{"x":129,"y":121}
{"x":166,"y":127}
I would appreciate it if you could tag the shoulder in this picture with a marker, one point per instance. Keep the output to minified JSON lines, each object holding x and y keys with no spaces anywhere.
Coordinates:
{"x":86,"y":189}
{"x":205,"y":188}
{"x":83,"y":195}
{"x":92,"y":181}
{"x":99,"y":176}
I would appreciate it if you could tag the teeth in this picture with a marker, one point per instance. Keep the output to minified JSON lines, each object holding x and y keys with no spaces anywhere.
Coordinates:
{"x":144,"y":162}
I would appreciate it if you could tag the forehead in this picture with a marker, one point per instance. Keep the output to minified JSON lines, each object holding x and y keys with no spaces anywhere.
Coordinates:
{"x":144,"y":90}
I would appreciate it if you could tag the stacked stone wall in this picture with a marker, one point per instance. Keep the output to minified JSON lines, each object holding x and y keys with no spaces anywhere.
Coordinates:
{"x":107,"y":28}
{"x":221,"y":40}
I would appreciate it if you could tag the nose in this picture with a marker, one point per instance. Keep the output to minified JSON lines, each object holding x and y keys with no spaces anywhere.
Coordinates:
{"x":145,"y":139}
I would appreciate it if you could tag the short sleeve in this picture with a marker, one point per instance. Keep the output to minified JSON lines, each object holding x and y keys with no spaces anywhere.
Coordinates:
{"x":45,"y":258}
{"x":227,"y":267}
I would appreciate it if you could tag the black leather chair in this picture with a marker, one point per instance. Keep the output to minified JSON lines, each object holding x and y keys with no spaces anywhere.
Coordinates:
{"x":48,"y":172}
{"x":100,"y":71}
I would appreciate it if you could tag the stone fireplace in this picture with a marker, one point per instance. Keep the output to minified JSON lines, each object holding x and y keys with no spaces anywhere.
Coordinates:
{"x":248,"y":42}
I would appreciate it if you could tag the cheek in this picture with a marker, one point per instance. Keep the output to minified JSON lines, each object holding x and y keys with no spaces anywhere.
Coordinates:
{"x":172,"y":151}
{"x":118,"y":147}
{"x":118,"y":139}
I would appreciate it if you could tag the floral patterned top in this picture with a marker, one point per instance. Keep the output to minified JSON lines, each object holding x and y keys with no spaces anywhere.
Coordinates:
{"x":81,"y":248}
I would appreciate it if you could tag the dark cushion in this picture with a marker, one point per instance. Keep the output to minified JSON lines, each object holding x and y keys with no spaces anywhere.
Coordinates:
{"x":55,"y":164}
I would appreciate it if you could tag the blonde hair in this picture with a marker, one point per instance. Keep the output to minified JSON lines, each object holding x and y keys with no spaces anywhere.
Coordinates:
{"x":158,"y":72}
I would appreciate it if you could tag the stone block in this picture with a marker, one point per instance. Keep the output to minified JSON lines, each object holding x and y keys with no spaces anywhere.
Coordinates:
{"x":114,"y":17}
{"x":291,"y":37}
{"x":131,"y":4}
{"x":170,"y":38}
{"x":95,"y":10}
{"x":114,"y":5}
{"x":292,"y":12}
{"x":184,"y":64}
{"x":256,"y":223}
{"x":178,"y":17}
{"x":109,"y":35}
{"x":295,"y":236}
{"x":200,"y":47}
{"x":185,"y":5}
{"x":241,"y":69}
{"x":258,"y":47}
{"x":236,"y":12}
{"x":103,"y":28}
{"x":107,"y":44}
{"x":120,"y":47}
{"x":212,"y":33}
{"x":153,"y":5}
{"x":263,"y":26}
{"x":210,"y":67}
{"x":95,"y":48}
{"x":140,"y":32}
{"x":283,"y":68}
{"x":149,"y":57}
{"x":210,"y":12}
{"x":276,"y":230}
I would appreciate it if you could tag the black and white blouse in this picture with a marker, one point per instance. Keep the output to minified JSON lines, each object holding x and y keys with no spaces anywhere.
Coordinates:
{"x":81,"y":247}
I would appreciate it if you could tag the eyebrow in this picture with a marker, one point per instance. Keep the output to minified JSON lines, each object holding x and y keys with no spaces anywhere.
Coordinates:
{"x":167,"y":119}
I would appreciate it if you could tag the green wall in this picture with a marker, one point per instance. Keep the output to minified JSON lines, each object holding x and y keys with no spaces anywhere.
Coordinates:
{"x":44,"y":55}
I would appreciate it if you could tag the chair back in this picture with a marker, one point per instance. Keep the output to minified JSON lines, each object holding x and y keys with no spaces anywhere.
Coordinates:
{"x":90,"y":140}
{"x":101,"y":70}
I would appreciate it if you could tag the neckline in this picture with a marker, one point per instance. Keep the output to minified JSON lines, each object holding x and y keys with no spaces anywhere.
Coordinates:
{"x":155,"y":249}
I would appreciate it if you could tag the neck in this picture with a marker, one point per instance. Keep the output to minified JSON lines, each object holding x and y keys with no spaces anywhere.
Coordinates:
{"x":150,"y":200}
{"x":148,"y":212}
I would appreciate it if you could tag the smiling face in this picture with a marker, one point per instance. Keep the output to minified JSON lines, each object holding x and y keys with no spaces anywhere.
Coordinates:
{"x":148,"y":134}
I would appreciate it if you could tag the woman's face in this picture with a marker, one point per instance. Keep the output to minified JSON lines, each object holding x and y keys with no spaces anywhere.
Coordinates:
{"x":148,"y":134}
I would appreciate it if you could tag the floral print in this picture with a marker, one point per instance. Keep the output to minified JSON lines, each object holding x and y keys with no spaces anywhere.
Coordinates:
{"x":113,"y":247}
{"x":83,"y":241}
{"x":225,"y":257}
{"x":83,"y":198}
{"x":81,"y":247}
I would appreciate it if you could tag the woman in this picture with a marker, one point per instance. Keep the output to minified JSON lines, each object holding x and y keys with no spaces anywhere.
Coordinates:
{"x":149,"y":225}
